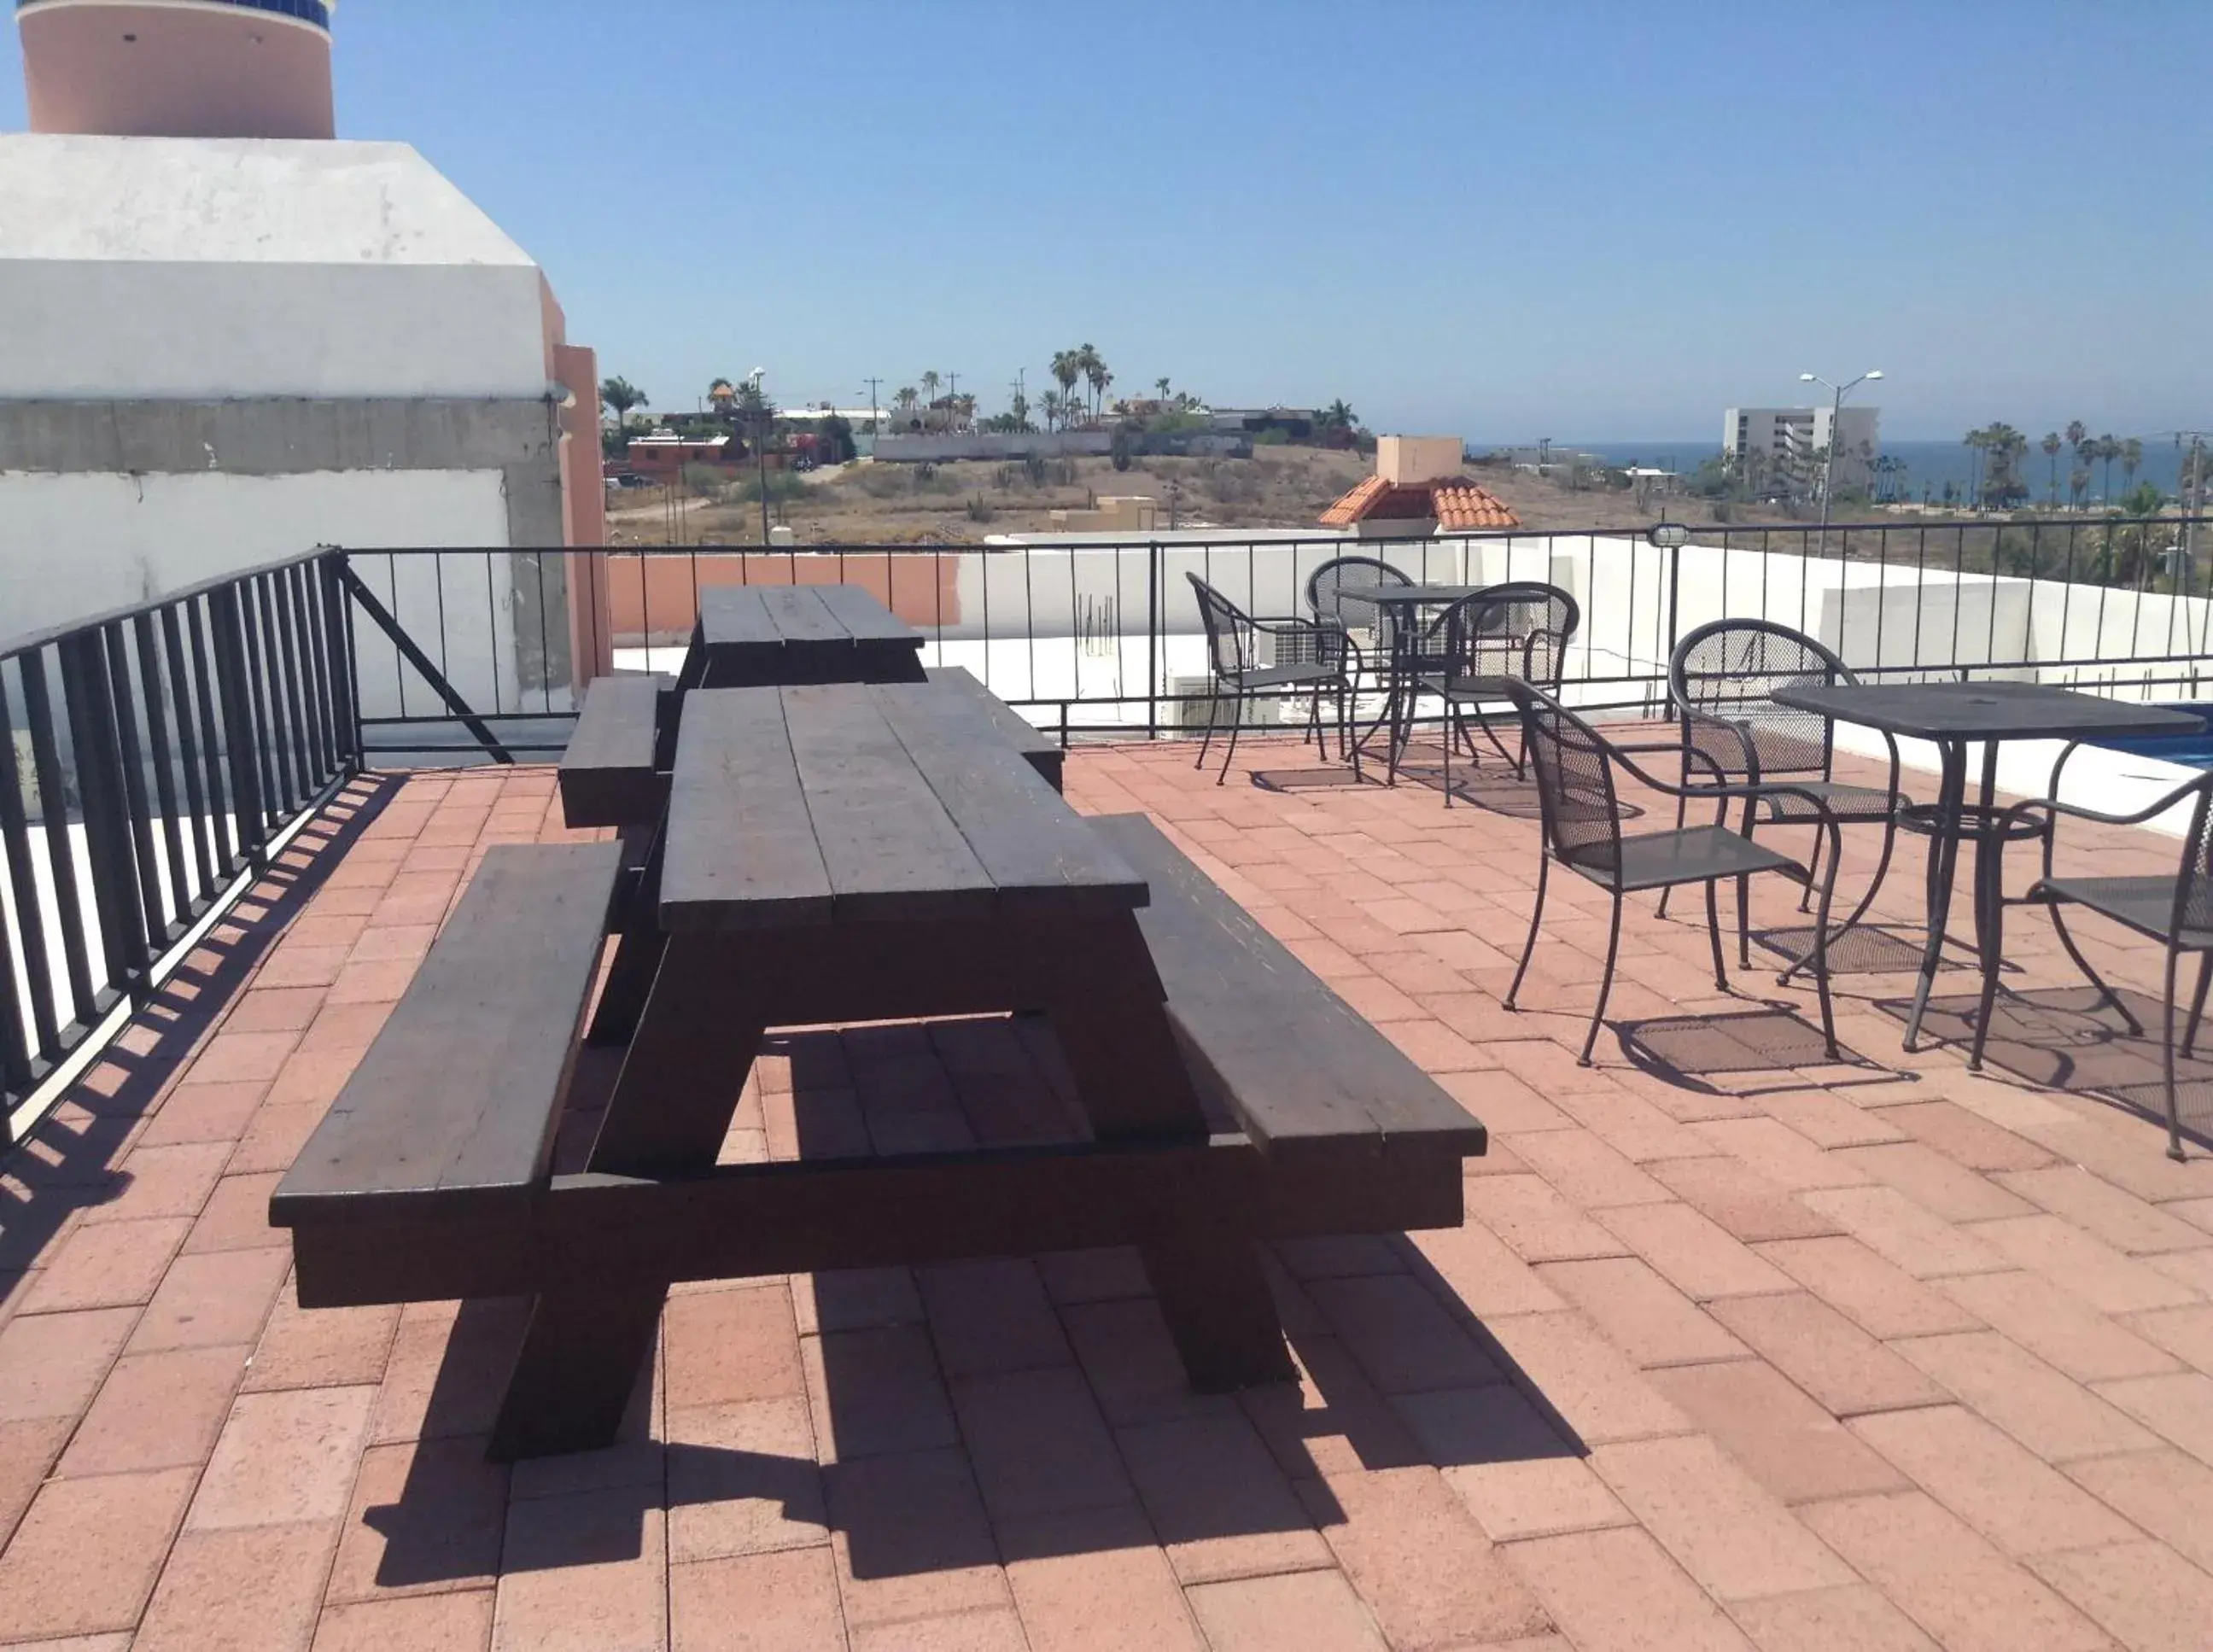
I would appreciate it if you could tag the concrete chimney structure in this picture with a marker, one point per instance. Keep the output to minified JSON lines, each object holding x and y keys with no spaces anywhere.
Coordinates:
{"x":178,"y":68}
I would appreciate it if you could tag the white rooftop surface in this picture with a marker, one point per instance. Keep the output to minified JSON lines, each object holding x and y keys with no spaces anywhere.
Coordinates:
{"x":218,"y":268}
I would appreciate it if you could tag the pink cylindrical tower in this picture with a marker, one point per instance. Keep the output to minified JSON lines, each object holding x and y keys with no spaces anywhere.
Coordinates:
{"x":179,"y":68}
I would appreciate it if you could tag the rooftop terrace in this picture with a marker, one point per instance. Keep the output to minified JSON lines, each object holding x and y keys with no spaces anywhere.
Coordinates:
{"x":1735,"y":1348}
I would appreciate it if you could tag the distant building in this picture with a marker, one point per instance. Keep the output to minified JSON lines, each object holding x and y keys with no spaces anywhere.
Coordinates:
{"x":1786,"y":439}
{"x":1418,"y":489}
{"x":227,"y":337}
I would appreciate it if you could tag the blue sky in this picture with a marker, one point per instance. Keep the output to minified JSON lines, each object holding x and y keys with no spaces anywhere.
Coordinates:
{"x":1582,"y":222}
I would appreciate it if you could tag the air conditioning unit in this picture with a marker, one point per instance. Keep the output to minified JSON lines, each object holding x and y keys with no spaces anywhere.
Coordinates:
{"x":1224,"y":709}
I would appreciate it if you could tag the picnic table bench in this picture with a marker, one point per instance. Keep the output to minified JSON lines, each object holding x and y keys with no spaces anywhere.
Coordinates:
{"x":837,"y":854}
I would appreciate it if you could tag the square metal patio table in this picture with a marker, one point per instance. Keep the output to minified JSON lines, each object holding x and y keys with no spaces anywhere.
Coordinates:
{"x":1955,"y":716}
{"x":1404,"y":670}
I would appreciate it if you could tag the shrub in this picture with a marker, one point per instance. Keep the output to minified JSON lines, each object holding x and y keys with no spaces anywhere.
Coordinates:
{"x":979,"y":509}
{"x":781,"y":485}
{"x":1125,"y":448}
{"x":1033,"y":467}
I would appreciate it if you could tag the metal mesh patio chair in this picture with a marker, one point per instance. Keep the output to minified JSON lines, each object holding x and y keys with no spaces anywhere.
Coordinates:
{"x":1253,"y":656}
{"x":2176,"y":911}
{"x":1722,"y":679}
{"x":1514,"y":632}
{"x":1582,"y":816}
{"x":1338,"y":592}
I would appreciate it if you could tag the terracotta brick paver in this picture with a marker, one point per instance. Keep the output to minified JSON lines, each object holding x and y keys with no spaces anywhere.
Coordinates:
{"x":1737,"y":1348}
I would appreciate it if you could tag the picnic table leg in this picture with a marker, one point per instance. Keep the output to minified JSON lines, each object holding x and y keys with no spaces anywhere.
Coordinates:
{"x":1217,"y":1306}
{"x":672,"y":1107}
{"x":638,"y":954}
{"x":1205,"y":1263}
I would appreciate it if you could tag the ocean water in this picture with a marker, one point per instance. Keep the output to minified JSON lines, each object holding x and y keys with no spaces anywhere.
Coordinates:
{"x":1928,"y":464}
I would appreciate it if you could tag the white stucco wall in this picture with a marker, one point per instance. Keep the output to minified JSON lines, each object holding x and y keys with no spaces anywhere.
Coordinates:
{"x":213,"y":268}
{"x":72,"y":545}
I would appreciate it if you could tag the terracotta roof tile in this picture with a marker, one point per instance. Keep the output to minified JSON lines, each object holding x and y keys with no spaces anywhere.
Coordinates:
{"x":1461,"y":504}
{"x":1456,"y":503}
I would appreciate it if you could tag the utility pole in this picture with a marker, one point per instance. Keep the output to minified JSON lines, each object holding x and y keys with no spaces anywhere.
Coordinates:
{"x":951,"y":397}
{"x":873,"y":383}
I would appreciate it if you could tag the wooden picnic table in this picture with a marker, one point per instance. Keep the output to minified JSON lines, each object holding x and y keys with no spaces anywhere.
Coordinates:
{"x":753,"y":636}
{"x":831,"y":854}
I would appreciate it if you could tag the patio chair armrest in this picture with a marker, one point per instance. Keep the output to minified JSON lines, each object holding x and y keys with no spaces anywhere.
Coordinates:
{"x":2158,"y":806}
{"x":1822,"y":812}
{"x":1691,"y":754}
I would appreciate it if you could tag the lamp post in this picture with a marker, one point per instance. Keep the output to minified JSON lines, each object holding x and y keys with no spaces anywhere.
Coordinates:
{"x":1836,"y":410}
{"x":760,"y":443}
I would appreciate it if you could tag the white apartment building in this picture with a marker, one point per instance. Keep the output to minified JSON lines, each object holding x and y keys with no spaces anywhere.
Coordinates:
{"x":1789,"y":437}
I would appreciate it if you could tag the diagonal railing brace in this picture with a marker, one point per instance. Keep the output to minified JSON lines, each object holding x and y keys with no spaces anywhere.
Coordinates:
{"x":415,"y":657}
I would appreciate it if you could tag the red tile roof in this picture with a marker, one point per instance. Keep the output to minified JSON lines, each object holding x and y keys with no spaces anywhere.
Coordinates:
{"x":1454,"y":503}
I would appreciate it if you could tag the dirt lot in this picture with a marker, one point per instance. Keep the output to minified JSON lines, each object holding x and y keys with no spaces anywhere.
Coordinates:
{"x":965,"y":501}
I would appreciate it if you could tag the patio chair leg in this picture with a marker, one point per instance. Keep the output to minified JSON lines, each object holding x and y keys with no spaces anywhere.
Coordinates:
{"x":2198,"y":1005}
{"x":2173,"y":1124}
{"x":1536,"y":916}
{"x":1867,"y":900}
{"x":1744,"y":920}
{"x":1813,"y":870}
{"x":2091,"y":975}
{"x":1236,"y":723}
{"x":1682,"y":814}
{"x":1714,"y":931}
{"x":1989,"y":929}
{"x":1821,"y":948}
{"x":1605,"y":985}
{"x":1448,"y":745}
{"x":1213,"y":715}
{"x":1348,"y":742}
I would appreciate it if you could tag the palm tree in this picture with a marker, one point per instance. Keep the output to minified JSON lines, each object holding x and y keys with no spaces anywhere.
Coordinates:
{"x":904,"y":399}
{"x":1977,"y":443}
{"x":721,"y":393}
{"x":2109,"y":450}
{"x":2132,"y":457}
{"x":1053,"y":405}
{"x":1066,"y":370}
{"x":618,"y":396}
{"x":2051,"y":444}
{"x":1093,"y":366}
{"x":1338,"y":416}
{"x":1162,"y":385}
{"x":929,"y":383}
{"x":2078,"y":483}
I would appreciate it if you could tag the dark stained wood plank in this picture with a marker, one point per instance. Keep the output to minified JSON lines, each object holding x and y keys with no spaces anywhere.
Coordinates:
{"x":802,"y":618}
{"x":1301,"y":1070}
{"x":891,"y":849}
{"x":457,"y":1098}
{"x":729,"y":1222}
{"x":608,"y":774}
{"x":1040,"y":751}
{"x":864,"y":617}
{"x":1040,"y":854}
{"x":741,"y":851}
{"x":734,"y":616}
{"x":737,"y":642}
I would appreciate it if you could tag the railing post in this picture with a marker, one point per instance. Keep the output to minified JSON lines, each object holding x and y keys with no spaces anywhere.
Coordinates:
{"x":1675,"y":616}
{"x":240,"y":736}
{"x":101,"y":789}
{"x":346,"y":706}
{"x":1152,"y":640}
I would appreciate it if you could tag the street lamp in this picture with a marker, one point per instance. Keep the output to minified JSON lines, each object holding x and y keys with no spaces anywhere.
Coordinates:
{"x":760,"y":443}
{"x":1835,"y":409}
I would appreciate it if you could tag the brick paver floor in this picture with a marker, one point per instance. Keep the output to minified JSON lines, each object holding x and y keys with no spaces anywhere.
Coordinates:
{"x":1737,"y":1347}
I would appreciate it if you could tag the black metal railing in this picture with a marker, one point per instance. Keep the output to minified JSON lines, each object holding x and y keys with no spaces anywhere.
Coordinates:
{"x":1102,"y":637}
{"x":150,"y":757}
{"x":147,"y":757}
